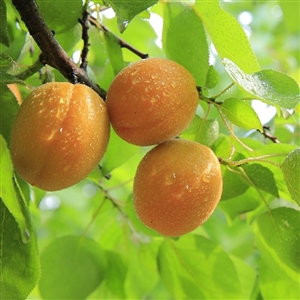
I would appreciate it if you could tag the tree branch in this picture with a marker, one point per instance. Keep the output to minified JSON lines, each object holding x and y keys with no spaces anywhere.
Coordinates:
{"x":85,"y":37}
{"x":121,"y":42}
{"x":52,"y":53}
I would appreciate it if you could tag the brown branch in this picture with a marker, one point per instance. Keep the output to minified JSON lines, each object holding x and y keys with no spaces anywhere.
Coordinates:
{"x":52,"y":53}
{"x":269,"y":136}
{"x":121,"y":42}
{"x":85,"y":37}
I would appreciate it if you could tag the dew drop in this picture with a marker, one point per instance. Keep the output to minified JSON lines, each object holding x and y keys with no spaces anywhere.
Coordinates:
{"x":25,"y":236}
{"x":136,"y":81}
{"x":205,"y":178}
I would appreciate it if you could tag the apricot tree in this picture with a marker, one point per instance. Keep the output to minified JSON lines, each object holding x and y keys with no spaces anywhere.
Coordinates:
{"x":234,"y":110}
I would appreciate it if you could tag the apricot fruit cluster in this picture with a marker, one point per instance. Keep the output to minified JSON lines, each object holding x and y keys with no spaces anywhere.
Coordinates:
{"x":59,"y":135}
{"x":61,"y":132}
{"x":177,"y":186}
{"x":151,"y":101}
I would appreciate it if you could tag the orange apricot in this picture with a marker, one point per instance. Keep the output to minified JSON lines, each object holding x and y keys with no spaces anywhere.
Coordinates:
{"x":59,"y":135}
{"x":177,"y":186}
{"x":151,"y":101}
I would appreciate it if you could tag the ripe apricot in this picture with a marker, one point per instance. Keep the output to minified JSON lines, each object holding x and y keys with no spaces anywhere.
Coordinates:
{"x":151,"y":101}
{"x":59,"y":135}
{"x":177,"y":186}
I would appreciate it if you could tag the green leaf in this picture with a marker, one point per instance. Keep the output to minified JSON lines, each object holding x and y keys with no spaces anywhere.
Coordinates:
{"x":5,"y":61}
{"x":6,"y":78}
{"x":4,"y":39}
{"x":241,"y":114}
{"x":118,"y":151}
{"x":277,"y":235}
{"x":127,"y":10}
{"x":233,"y":185}
{"x":196,"y":265}
{"x":212,"y":78}
{"x":8,"y":110}
{"x":188,"y":47}
{"x":243,"y":203}
{"x":114,"y":51}
{"x":136,"y":222}
{"x":275,"y":284}
{"x":142,"y":261}
{"x":60,"y":16}
{"x":9,"y":193}
{"x":112,"y":286}
{"x":203,"y":131}
{"x":269,"y":86}
{"x":247,"y":276}
{"x":20,"y":270}
{"x":72,"y":267}
{"x":227,"y":35}
{"x":262,"y":178}
{"x":291,"y":172}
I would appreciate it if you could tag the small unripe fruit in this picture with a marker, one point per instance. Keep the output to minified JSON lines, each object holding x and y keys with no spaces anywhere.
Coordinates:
{"x":59,"y":135}
{"x":177,"y":186}
{"x":151,"y":101}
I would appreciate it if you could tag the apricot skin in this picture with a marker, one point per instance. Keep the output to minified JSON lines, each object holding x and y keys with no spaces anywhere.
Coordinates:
{"x":59,"y":135}
{"x":151,"y":101}
{"x":177,"y":186}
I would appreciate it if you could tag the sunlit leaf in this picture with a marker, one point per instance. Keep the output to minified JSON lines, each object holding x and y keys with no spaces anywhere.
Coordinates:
{"x":196,"y":263}
{"x":112,"y":286}
{"x":142,"y":261}
{"x":212,"y":78}
{"x":187,"y":47}
{"x":241,"y":114}
{"x":20,"y":270}
{"x":243,"y":203}
{"x":275,"y":282}
{"x":269,"y":86}
{"x":224,"y":30}
{"x":202,"y":131}
{"x":291,"y":171}
{"x":277,"y":234}
{"x":247,"y":276}
{"x":72,"y":267}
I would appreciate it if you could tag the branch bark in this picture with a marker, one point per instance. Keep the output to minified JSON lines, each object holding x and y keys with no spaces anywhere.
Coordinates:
{"x":52,"y":53}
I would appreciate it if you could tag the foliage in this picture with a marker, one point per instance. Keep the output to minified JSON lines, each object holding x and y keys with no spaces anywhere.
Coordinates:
{"x":86,"y":240}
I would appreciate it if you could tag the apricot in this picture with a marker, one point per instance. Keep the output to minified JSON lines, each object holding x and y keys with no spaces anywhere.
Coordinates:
{"x":177,"y":186}
{"x":59,"y":135}
{"x":151,"y":101}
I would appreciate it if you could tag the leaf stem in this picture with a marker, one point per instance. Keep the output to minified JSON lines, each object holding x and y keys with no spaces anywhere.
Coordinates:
{"x":261,"y":158}
{"x":231,"y":131}
{"x":224,"y":91}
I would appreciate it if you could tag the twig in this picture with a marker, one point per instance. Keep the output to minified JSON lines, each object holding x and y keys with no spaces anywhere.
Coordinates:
{"x":85,"y":37}
{"x":52,"y":53}
{"x":121,"y":42}
{"x":269,"y":136}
